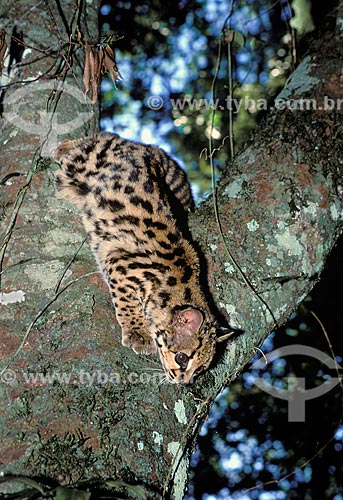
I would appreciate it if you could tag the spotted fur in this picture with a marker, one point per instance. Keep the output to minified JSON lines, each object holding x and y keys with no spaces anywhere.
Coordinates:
{"x":133,"y":200}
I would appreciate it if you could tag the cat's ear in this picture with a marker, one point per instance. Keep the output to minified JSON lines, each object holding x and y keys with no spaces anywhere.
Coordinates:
{"x":226,"y":333}
{"x":187,"y":322}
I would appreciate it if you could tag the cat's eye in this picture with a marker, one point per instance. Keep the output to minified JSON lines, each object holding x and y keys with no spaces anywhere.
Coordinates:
{"x":181,"y":359}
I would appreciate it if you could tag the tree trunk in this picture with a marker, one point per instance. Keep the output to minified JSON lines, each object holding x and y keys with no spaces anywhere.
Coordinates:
{"x":102,"y":415}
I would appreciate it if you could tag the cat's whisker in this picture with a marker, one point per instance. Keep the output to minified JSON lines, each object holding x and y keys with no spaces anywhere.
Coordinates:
{"x":149,"y":369}
{"x":163,"y":381}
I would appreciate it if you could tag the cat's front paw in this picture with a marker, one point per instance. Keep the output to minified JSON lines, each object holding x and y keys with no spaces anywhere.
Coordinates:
{"x":138,"y":343}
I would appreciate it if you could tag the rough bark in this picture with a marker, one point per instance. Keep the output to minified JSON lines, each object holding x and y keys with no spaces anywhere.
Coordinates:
{"x":280,"y":210}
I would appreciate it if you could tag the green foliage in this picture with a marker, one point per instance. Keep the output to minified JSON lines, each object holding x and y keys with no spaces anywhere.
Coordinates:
{"x":302,"y":20}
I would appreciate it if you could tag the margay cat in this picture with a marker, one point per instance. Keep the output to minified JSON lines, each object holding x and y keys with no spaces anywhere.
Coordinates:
{"x":129,"y":195}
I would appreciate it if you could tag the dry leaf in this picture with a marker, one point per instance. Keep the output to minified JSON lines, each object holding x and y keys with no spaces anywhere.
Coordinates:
{"x":79,"y":36}
{"x":228,"y":36}
{"x":87,"y":70}
{"x":3,"y":48}
{"x":98,"y":60}
{"x":110,"y":65}
{"x":96,"y":73}
{"x":92,"y":72}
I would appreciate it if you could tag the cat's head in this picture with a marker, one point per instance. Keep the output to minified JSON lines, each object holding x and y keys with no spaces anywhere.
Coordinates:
{"x":188,"y":348}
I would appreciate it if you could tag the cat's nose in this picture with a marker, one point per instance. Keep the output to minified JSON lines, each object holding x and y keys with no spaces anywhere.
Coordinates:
{"x":183,"y":381}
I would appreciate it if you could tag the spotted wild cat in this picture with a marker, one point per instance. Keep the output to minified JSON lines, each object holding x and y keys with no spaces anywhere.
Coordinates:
{"x":133,"y":200}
